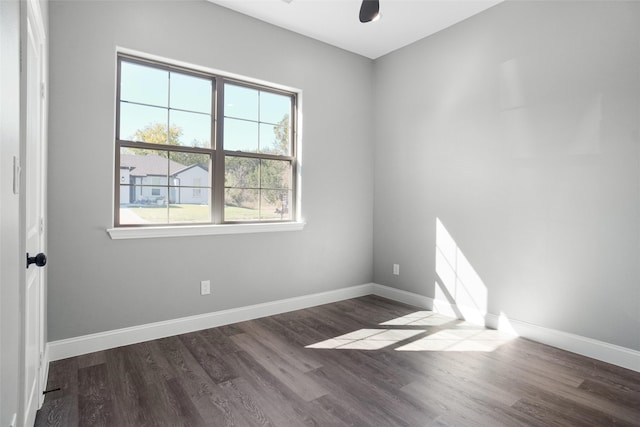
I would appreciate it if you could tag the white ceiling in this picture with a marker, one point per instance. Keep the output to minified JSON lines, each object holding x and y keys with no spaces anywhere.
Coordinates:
{"x":336,"y":22}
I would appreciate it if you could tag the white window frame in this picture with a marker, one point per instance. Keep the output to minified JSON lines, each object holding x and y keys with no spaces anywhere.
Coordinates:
{"x":217,"y":224}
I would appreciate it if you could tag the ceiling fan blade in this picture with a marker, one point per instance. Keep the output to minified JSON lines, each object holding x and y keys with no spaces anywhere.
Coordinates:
{"x":370,"y":10}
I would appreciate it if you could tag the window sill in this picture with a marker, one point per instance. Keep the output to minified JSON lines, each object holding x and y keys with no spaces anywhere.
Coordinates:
{"x":200,"y":230}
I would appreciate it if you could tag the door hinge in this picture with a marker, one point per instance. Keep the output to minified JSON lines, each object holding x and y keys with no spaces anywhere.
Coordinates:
{"x":42,"y":90}
{"x":41,"y":225}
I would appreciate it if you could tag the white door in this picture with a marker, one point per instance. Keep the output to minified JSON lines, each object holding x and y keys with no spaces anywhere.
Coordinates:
{"x":33,"y":164}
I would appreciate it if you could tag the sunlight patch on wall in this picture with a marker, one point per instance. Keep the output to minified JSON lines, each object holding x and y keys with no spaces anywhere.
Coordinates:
{"x":441,"y":305}
{"x":504,"y":325}
{"x":460,"y":283}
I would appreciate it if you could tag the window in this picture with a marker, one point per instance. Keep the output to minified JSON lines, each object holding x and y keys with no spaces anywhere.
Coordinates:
{"x":199,"y":148}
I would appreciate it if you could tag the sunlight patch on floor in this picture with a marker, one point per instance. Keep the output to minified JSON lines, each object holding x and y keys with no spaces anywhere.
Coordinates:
{"x":368,"y":339}
{"x":419,"y":318}
{"x":459,"y":340}
{"x":463,"y":336}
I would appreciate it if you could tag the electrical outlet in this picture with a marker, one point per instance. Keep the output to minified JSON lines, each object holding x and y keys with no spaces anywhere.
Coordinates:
{"x":205,"y":287}
{"x":396,"y":269}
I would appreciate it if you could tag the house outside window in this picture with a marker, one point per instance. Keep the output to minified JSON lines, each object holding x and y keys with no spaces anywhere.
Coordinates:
{"x":200,"y":148}
{"x":197,"y":191}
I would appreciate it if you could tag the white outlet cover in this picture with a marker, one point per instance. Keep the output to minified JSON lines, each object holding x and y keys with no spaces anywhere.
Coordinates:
{"x":205,"y":287}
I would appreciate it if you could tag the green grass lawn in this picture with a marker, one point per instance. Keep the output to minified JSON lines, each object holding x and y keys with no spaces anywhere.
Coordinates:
{"x":234,"y":213}
{"x":196,"y":213}
{"x":177,"y":213}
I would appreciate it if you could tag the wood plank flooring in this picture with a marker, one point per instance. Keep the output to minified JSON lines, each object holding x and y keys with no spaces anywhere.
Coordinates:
{"x":361,"y":362}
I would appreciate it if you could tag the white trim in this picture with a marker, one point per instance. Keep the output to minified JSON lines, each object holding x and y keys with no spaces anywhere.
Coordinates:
{"x":595,"y":349}
{"x":201,"y":230}
{"x":77,"y":346}
{"x":203,"y":69}
{"x":403,"y":296}
{"x":35,"y":11}
{"x":297,"y":223}
{"x":600,"y":350}
{"x":56,"y":350}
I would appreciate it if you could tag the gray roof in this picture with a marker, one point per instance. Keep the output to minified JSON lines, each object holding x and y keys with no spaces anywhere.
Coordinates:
{"x":149,"y":165}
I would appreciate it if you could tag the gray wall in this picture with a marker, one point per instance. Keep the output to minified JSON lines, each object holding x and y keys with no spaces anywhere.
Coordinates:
{"x":518,"y":129}
{"x":98,"y":284}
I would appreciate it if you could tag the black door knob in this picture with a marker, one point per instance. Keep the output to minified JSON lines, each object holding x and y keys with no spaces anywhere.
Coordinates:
{"x":40,"y":260}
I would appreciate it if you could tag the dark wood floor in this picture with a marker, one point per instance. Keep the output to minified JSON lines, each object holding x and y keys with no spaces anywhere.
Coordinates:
{"x":362,"y":362}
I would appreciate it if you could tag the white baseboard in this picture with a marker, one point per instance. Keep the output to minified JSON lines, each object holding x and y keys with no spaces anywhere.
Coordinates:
{"x":595,"y":349}
{"x":77,"y":346}
{"x":402,"y":296}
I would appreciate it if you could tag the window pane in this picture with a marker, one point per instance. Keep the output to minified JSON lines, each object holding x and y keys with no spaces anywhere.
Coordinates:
{"x":141,"y":123}
{"x":241,"y":204}
{"x":182,"y":160}
{"x":240,"y":102}
{"x":193,"y":171}
{"x":191,"y":129}
{"x":144,"y":168}
{"x":190,"y":93}
{"x":145,"y":85}
{"x":132,"y":214}
{"x":127,"y":196}
{"x":274,"y":139}
{"x":275,"y":174}
{"x":188,"y":212}
{"x":144,"y":214}
{"x":274,"y":108}
{"x":241,"y":172}
{"x":189,"y":196}
{"x":274,"y":204}
{"x":240,"y":135}
{"x":138,"y":207}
